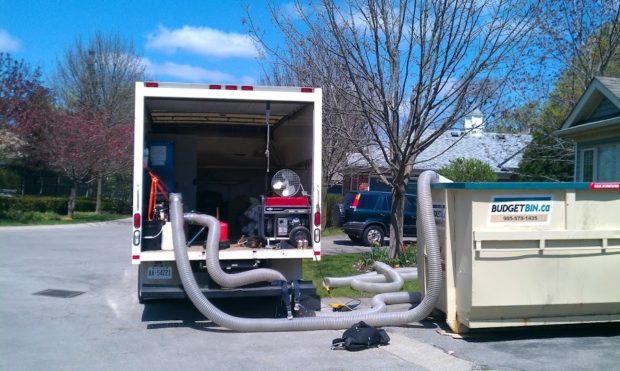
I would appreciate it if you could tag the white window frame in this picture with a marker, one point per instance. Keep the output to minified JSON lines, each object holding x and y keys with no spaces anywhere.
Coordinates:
{"x":594,"y":164}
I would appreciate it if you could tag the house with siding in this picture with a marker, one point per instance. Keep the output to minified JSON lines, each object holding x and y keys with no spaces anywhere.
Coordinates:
{"x":502,"y":152}
{"x":594,"y":125}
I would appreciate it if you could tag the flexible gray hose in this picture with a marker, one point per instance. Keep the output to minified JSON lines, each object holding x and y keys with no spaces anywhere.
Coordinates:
{"x":314,"y":323}
{"x":213,"y":258}
{"x":379,"y":303}
{"x":394,"y":281}
{"x":406,"y":273}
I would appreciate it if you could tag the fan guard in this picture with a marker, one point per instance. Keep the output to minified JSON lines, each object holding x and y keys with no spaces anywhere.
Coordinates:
{"x":285,"y":183}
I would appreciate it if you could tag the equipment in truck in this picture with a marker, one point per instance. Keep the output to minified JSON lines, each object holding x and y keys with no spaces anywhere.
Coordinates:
{"x":286,"y":183}
{"x":285,"y":219}
{"x":209,"y":143}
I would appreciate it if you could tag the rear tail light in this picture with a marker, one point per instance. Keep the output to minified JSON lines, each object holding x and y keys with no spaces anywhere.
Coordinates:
{"x":356,"y":201}
{"x":136,"y":238}
{"x":317,"y":219}
{"x":136,"y":220}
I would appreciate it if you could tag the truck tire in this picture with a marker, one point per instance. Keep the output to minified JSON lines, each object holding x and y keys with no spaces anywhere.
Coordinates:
{"x":373,"y":236}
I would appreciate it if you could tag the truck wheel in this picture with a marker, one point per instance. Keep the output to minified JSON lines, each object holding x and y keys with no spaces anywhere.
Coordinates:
{"x":373,"y":236}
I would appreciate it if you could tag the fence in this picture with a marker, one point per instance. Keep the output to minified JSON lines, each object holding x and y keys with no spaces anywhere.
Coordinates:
{"x":18,"y":181}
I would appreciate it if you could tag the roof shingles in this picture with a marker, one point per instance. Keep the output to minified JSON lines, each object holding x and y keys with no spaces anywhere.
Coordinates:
{"x":502,"y":152}
{"x":611,"y":83}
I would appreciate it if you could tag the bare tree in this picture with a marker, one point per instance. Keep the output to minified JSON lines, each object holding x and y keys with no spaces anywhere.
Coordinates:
{"x":413,"y":70}
{"x":98,"y":77}
{"x":579,"y":39}
{"x":307,"y":65}
{"x":576,"y":40}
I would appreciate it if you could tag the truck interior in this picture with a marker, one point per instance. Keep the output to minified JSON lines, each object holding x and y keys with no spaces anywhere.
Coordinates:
{"x":213,"y":152}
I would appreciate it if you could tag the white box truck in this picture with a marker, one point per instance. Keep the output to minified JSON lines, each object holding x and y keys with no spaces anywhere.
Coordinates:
{"x":249,"y":155}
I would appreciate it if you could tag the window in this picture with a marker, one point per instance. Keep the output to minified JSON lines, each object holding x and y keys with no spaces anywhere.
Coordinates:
{"x":608,"y":162}
{"x":368,"y":201}
{"x":385,"y":203}
{"x":348,"y":199}
{"x":588,"y":165}
{"x":410,"y":204}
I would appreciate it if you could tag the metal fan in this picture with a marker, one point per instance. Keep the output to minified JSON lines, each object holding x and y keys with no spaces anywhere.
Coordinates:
{"x":286,"y":183}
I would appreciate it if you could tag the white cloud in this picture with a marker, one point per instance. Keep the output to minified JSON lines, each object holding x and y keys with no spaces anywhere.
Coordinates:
{"x":204,"y":41}
{"x":292,"y":10}
{"x":9,"y":43}
{"x":189,"y":73}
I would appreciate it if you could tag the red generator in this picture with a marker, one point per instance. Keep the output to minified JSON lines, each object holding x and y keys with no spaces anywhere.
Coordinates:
{"x":286,"y":220}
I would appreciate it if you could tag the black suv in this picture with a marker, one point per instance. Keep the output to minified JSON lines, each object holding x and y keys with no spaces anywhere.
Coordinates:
{"x":365,"y":216}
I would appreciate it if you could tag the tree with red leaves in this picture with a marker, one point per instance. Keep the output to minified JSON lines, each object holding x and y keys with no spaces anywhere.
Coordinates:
{"x":79,"y":146}
{"x":77,"y":143}
{"x":22,"y":99}
{"x":19,"y":87}
{"x":98,"y":77}
{"x":71,"y":144}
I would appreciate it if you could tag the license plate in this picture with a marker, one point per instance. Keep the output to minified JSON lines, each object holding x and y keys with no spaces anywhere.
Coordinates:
{"x":159,"y":272}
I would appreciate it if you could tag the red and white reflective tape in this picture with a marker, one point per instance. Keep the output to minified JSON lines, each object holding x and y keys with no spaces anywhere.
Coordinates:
{"x":605,"y":185}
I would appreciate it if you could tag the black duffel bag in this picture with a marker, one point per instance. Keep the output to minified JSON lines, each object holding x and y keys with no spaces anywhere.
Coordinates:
{"x":361,"y":336}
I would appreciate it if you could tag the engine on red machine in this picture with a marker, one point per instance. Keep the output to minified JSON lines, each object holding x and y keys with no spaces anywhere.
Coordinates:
{"x":286,"y":217}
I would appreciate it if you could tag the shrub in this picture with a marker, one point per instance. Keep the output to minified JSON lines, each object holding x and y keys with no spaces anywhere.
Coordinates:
{"x":468,"y":170}
{"x":117,"y":206}
{"x":330,"y":203}
{"x":375,"y":254}
{"x":58,"y":205}
{"x":406,"y":258}
{"x":9,"y":178}
{"x":33,"y":203}
{"x":28,"y":217}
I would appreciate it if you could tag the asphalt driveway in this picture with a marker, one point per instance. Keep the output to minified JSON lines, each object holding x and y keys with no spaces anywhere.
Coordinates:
{"x":104,"y":327}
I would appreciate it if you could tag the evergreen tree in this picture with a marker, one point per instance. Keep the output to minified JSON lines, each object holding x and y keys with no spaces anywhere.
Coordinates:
{"x":468,"y":170}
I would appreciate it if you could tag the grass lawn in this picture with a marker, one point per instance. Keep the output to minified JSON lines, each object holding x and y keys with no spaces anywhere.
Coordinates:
{"x":331,"y":231}
{"x":38,"y":218}
{"x":339,"y":266}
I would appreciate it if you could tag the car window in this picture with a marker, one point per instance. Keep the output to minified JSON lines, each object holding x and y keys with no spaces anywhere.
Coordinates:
{"x":348,"y":199}
{"x":384,"y":205}
{"x":368,"y":201}
{"x":410,"y":204}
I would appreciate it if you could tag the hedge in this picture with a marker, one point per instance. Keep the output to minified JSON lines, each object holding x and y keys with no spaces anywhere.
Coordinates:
{"x":330,"y":203}
{"x":58,"y":205}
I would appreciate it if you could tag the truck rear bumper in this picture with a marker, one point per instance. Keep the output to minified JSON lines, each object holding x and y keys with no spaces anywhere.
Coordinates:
{"x":229,"y":299}
{"x":156,"y":292}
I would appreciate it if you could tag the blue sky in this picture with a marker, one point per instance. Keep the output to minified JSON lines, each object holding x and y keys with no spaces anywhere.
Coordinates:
{"x":198,"y":41}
